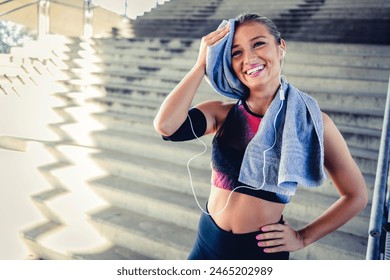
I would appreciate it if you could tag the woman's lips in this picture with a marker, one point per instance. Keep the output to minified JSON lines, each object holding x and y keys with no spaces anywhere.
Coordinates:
{"x":255,"y":71}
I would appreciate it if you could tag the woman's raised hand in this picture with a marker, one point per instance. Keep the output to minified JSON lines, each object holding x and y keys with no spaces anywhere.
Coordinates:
{"x":209,"y":40}
{"x":174,"y":110}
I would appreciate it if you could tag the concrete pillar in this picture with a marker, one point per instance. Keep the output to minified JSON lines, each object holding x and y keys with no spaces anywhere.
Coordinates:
{"x":88,"y":18}
{"x":43,"y":18}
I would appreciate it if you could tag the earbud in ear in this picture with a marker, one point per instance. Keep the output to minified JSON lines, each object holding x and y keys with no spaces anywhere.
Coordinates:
{"x":283,"y":53}
{"x":281,"y":92}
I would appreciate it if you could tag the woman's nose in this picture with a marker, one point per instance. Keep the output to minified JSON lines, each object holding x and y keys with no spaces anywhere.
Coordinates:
{"x":250,"y":57}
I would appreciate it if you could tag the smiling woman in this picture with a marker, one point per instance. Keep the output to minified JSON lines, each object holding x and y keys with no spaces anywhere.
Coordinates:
{"x":265,"y":144}
{"x":256,"y":60}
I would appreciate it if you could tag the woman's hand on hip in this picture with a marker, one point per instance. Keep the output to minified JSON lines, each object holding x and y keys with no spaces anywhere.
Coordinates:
{"x":280,"y":237}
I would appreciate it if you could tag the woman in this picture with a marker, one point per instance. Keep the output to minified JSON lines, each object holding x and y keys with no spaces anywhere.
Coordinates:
{"x":245,"y":222}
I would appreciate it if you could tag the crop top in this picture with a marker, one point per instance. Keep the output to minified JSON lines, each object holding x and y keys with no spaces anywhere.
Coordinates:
{"x":228,"y":147}
{"x":228,"y":150}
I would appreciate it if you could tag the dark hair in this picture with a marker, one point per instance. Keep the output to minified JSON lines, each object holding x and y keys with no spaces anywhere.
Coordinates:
{"x":269,"y":24}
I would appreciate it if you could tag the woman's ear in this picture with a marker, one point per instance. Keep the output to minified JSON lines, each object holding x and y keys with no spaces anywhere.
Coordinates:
{"x":282,"y":47}
{"x":282,"y":52}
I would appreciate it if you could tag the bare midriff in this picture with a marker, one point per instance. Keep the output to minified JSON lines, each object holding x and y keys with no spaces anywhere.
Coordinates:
{"x":243,"y":213}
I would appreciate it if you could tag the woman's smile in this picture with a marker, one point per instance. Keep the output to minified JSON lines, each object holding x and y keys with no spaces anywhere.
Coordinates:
{"x":255,"y":71}
{"x":256,"y":57}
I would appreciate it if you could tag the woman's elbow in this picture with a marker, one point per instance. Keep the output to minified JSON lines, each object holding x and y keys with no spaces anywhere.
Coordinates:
{"x":361,"y":199}
{"x":163,"y":128}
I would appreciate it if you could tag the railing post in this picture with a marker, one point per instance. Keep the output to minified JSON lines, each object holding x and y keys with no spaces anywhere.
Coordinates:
{"x":88,"y":17}
{"x":43,"y":18}
{"x":377,"y":219}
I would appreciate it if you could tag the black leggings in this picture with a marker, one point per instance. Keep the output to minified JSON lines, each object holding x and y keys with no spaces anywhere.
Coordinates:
{"x":214,"y":243}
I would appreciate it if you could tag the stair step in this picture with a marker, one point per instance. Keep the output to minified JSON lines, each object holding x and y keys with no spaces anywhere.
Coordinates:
{"x":109,"y":53}
{"x":336,"y":72}
{"x":117,"y":105}
{"x":149,"y":85}
{"x":306,"y":206}
{"x":111,"y":252}
{"x":369,"y":118}
{"x":126,"y":122}
{"x":102,"y":44}
{"x":338,"y":85}
{"x":154,"y":147}
{"x":32,"y":236}
{"x":154,"y":171}
{"x":350,"y":100}
{"x":42,"y":202}
{"x":132,"y":72}
{"x":365,"y":138}
{"x":327,"y":50}
{"x":335,"y":246}
{"x":146,"y":235}
{"x":150,"y":200}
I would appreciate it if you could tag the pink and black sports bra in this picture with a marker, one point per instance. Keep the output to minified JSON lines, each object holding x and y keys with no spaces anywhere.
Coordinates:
{"x":228,"y":150}
{"x":228,"y":147}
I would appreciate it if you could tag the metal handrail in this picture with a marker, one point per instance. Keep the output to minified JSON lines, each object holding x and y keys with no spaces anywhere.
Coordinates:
{"x":5,"y":2}
{"x":376,"y":232}
{"x":18,"y":8}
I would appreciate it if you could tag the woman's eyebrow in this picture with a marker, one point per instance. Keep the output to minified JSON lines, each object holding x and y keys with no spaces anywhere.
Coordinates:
{"x":254,"y":38}
{"x":258,"y":37}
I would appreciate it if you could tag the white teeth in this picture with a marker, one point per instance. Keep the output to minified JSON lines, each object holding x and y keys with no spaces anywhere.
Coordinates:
{"x":256,"y":69}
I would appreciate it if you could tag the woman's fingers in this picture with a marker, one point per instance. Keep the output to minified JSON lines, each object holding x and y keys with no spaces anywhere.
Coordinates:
{"x":280,"y":237}
{"x":209,"y":40}
{"x":270,"y":235}
{"x":213,"y":37}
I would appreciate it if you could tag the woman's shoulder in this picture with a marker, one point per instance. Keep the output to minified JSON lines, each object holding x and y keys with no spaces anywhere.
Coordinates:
{"x":327,"y":121}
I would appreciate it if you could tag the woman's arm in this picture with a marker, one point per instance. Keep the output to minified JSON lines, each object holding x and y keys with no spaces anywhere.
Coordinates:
{"x":174,"y":109}
{"x":350,"y":184}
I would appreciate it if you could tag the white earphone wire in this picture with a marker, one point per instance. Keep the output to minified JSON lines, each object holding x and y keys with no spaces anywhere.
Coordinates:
{"x":282,"y":97}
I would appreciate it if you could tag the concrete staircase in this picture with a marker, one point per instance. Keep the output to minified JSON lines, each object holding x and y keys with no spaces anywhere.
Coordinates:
{"x":300,"y":20}
{"x":343,"y":21}
{"x":117,"y":191}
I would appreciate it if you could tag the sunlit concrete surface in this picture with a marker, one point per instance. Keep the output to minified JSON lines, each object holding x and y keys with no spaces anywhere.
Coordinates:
{"x":21,"y":179}
{"x":18,"y":181}
{"x":75,"y":234}
{"x":44,"y":174}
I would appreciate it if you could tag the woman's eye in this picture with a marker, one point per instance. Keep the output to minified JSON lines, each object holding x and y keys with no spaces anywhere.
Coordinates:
{"x":258,"y":44}
{"x":236,"y":53}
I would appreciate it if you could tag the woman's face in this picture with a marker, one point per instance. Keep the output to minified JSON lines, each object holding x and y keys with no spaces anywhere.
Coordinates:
{"x":256,"y":56}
